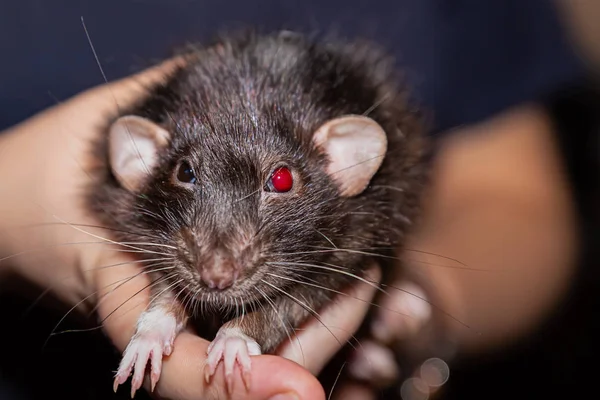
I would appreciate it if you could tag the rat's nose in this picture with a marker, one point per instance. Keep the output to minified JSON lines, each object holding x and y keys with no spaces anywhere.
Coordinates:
{"x":220,"y":273}
{"x":217,"y":279}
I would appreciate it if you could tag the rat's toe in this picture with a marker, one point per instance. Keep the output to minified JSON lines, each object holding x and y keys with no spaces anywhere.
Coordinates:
{"x":232,"y":347}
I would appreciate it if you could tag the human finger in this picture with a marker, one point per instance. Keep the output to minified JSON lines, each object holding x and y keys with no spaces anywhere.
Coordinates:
{"x":321,"y":338}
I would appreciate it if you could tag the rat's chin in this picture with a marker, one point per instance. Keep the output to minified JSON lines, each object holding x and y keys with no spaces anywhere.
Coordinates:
{"x":217,"y":299}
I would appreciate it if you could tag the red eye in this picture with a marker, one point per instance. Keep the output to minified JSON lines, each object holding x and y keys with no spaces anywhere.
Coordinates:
{"x":281,"y":180}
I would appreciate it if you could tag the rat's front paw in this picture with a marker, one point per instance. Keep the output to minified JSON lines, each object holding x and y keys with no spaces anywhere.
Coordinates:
{"x":147,"y":345}
{"x":231,"y":346}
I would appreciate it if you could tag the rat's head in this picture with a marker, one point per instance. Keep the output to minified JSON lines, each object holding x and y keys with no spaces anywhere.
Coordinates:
{"x":240,"y":209}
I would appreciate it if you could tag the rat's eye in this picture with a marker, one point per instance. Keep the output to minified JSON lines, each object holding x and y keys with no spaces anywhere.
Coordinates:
{"x":185,"y":173}
{"x":281,"y":181}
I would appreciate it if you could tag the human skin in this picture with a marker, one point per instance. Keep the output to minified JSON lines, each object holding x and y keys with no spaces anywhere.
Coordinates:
{"x":498,"y":202}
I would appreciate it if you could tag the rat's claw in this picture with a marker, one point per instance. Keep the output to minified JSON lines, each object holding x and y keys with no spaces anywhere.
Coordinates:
{"x":148,"y":345}
{"x":144,"y":347}
{"x":129,"y":358}
{"x":156,"y":368}
{"x":231,"y":346}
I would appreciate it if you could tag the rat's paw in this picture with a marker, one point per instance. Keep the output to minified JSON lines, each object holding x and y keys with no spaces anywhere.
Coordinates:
{"x":148,"y":345}
{"x":231,"y":346}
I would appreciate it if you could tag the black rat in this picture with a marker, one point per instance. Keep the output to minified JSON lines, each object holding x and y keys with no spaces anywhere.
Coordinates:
{"x":265,"y":175}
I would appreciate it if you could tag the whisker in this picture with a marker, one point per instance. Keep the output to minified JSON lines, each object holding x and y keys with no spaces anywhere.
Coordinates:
{"x":72,"y":276}
{"x":37,"y":225}
{"x":326,"y":238}
{"x":141,"y":251}
{"x":358,"y":163}
{"x":285,"y":326}
{"x":42,"y":248}
{"x":102,"y":322}
{"x":89,"y":233}
{"x":340,"y":293}
{"x":363,"y":251}
{"x":338,"y":271}
{"x":446,"y":313}
{"x":397,"y":189}
{"x":307,"y":308}
{"x":155,"y":282}
{"x":187,"y":299}
{"x":336,"y":380}
{"x":249,"y":195}
{"x":145,"y":272}
{"x":114,"y":98}
{"x":437,"y":255}
{"x":121,"y":281}
{"x":375,"y":105}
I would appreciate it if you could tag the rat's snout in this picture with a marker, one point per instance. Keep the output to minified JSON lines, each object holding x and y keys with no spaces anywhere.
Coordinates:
{"x":219,"y":271}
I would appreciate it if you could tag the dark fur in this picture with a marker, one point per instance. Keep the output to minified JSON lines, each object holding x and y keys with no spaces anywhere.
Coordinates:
{"x":241,"y":107}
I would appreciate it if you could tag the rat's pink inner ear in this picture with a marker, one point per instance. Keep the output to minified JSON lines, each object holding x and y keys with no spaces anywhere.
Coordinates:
{"x":355,"y":146}
{"x":134,"y":143}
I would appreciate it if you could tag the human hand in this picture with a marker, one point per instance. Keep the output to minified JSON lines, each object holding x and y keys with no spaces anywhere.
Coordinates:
{"x":55,"y":243}
{"x":495,"y":250}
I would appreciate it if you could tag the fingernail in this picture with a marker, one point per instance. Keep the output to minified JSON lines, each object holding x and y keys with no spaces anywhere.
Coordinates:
{"x":285,"y":396}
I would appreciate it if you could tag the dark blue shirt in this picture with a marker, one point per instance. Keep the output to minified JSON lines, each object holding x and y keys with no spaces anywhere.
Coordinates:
{"x":465,"y":59}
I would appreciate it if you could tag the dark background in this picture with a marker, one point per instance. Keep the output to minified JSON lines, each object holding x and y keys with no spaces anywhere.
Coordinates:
{"x":466,"y":60}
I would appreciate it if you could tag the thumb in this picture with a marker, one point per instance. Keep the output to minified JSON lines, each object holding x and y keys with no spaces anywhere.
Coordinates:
{"x":123,"y":295}
{"x":271,"y":376}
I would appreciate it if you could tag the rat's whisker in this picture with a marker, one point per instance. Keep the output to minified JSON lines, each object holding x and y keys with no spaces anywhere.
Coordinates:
{"x":336,"y":270}
{"x":149,"y":244}
{"x":142,"y":252}
{"x":42,"y":224}
{"x":151,"y":284}
{"x":114,"y":98}
{"x":286,"y":327}
{"x":308,"y":309}
{"x":366,"y":252}
{"x":341,"y":293}
{"x":379,"y":102}
{"x":397,"y":189}
{"x":357,"y":164}
{"x":326,"y":238}
{"x":248,"y":195}
{"x":141,"y":273}
{"x":336,"y":380}
{"x":187,"y":298}
{"x":120,"y":282}
{"x":49,"y":247}
{"x":73,"y":276}
{"x":94,"y":235}
{"x":437,"y":255}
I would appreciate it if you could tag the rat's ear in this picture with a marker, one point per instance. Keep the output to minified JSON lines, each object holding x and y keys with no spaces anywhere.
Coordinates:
{"x":133,"y":145}
{"x":355,"y":146}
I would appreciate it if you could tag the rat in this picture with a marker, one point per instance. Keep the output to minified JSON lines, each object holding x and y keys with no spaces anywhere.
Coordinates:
{"x":263,"y":176}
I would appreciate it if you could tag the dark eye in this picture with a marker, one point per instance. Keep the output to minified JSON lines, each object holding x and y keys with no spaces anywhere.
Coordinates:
{"x":185,"y":173}
{"x":281,"y":181}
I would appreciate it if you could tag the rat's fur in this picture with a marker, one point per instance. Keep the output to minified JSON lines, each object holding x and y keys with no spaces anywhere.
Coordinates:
{"x":237,"y":109}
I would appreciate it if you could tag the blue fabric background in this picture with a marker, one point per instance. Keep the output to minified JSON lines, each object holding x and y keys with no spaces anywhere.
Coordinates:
{"x":465,"y":59}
